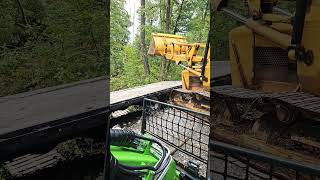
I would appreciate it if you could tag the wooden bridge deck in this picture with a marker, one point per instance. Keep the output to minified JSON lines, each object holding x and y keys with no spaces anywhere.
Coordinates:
{"x":53,"y":114}
{"x":42,"y":118}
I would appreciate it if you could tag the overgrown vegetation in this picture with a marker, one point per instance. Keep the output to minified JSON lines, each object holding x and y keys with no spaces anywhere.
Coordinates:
{"x":187,"y":17}
{"x":46,"y":42}
{"x":79,"y":147}
{"x":4,"y":174}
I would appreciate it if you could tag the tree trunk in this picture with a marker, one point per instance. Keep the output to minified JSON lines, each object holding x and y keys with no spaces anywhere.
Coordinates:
{"x":213,"y":46}
{"x":178,"y":18}
{"x":175,"y":30}
{"x":95,"y":43}
{"x":164,"y":63}
{"x":142,"y":38}
{"x":203,"y":19}
{"x":162,"y":6}
{"x":22,"y":13}
{"x":168,"y":15}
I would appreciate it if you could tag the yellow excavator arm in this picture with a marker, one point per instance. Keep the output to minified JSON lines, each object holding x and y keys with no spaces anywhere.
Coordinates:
{"x":193,"y":57}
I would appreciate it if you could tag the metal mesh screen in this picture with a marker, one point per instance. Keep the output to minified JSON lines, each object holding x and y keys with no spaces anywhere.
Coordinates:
{"x":272,"y":63}
{"x":233,"y":162}
{"x":271,"y":56}
{"x":187,"y":134}
{"x":184,"y":130}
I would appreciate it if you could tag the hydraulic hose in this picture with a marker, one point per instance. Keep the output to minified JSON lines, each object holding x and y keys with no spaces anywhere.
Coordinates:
{"x":205,"y":57}
{"x":164,"y":156}
{"x":122,"y":137}
{"x":299,"y":19}
{"x":127,"y":138}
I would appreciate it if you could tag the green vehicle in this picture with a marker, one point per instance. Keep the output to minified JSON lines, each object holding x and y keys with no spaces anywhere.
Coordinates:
{"x":134,"y":156}
{"x":147,"y":156}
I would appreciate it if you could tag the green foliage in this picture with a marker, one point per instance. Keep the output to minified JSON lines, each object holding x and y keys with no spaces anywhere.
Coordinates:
{"x":55,"y":42}
{"x":127,"y":70}
{"x":4,"y":174}
{"x":79,"y":147}
{"x":221,"y":28}
{"x":289,"y":6}
{"x":7,"y":27}
{"x":195,"y":19}
{"x":133,"y":72}
{"x":46,"y":43}
{"x":119,"y":36}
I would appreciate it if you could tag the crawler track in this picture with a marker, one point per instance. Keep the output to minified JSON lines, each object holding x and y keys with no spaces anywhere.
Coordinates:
{"x":252,"y":115}
{"x":303,"y":102}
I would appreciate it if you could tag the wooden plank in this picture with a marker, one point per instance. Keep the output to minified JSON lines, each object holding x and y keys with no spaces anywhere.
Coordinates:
{"x":29,"y":109}
{"x":127,"y":94}
{"x":305,"y":140}
{"x":46,"y":117}
{"x":48,"y":105}
{"x":248,"y":141}
{"x":22,"y":159}
{"x":29,"y":164}
{"x":31,"y":158}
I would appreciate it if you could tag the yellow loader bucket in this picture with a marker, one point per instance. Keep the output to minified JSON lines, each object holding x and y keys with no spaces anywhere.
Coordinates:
{"x":160,"y":42}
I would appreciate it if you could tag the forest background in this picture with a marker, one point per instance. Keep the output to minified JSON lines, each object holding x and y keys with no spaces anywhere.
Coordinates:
{"x":45,"y":43}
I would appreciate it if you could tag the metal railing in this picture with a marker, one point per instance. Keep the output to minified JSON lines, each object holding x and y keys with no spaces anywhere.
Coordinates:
{"x":184,"y":130}
{"x":233,"y":162}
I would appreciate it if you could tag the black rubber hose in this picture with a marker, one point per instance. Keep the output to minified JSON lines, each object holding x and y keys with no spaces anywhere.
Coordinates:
{"x":164,"y":152}
{"x":128,"y":171}
{"x":301,"y":10}
{"x":122,"y":137}
{"x":205,"y":57}
{"x":114,"y":164}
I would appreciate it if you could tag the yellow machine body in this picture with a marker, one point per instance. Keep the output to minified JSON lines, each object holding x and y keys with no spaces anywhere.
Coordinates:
{"x":272,"y":53}
{"x":189,"y":55}
{"x":251,"y":68}
{"x":260,"y":59}
{"x":309,"y":76}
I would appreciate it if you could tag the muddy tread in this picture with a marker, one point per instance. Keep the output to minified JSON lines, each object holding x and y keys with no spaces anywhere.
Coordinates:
{"x":298,"y":100}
